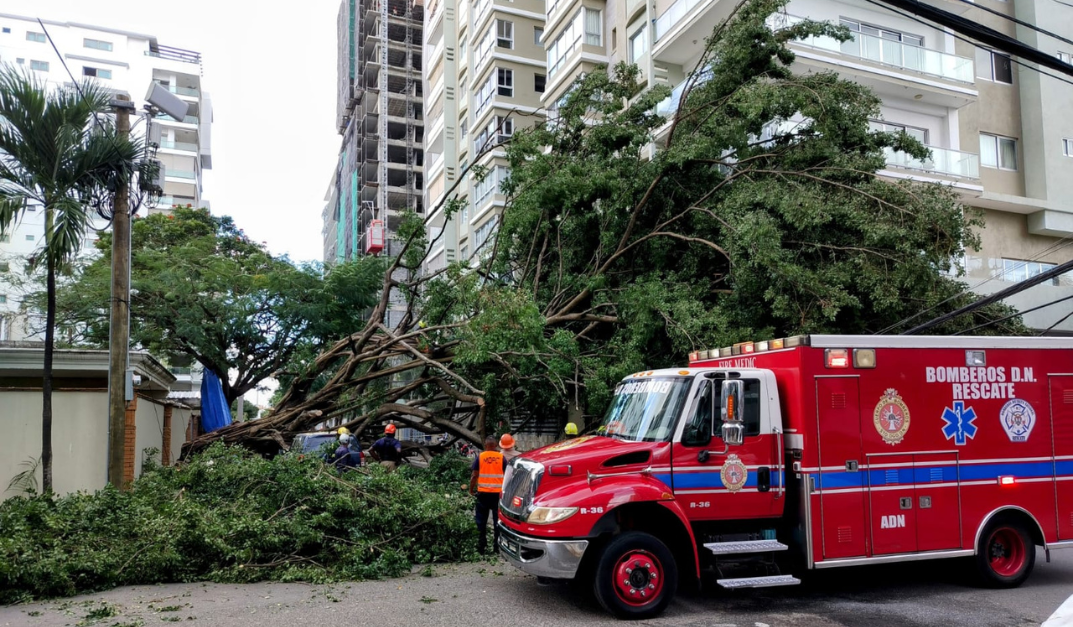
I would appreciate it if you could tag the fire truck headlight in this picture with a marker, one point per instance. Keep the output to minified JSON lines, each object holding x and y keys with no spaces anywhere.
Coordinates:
{"x":549,"y":515}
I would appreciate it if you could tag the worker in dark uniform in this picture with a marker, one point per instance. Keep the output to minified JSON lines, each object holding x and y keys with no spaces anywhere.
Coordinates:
{"x":387,"y":450}
{"x":343,"y":459}
{"x":486,"y":483}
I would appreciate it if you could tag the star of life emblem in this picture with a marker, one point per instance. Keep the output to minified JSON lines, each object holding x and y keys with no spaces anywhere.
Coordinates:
{"x":960,"y":425}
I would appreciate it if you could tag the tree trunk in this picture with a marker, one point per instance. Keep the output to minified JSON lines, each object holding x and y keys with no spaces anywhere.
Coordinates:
{"x":46,"y":384}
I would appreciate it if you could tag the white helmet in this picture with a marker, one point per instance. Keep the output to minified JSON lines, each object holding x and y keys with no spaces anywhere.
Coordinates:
{"x":344,"y":439}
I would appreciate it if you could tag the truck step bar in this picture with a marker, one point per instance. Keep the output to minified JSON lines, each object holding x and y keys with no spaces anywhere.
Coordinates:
{"x":759,"y":582}
{"x":751,"y":546}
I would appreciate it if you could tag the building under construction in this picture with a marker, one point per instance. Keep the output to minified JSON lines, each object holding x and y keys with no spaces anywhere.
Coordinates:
{"x":379,"y":115}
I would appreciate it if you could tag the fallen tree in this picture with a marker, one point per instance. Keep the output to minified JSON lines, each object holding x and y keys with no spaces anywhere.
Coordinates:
{"x":759,"y":215}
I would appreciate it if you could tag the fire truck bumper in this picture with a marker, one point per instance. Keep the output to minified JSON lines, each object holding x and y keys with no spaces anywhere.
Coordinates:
{"x":555,"y":559}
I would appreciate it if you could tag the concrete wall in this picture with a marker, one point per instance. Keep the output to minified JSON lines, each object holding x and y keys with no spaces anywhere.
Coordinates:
{"x":79,"y":436}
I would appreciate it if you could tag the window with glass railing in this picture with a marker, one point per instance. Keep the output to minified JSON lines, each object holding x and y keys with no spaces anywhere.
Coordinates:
{"x":884,"y":45}
{"x":483,"y":96}
{"x":483,"y":233}
{"x":484,"y":48}
{"x":586,"y":26}
{"x":1016,"y":270}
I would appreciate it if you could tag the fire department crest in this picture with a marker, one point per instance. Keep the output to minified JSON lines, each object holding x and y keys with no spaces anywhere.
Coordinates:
{"x":1017,"y":419}
{"x":891,"y":417}
{"x":734,"y":473}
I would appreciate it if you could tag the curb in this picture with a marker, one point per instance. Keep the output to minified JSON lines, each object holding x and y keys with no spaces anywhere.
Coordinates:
{"x":1062,"y":617}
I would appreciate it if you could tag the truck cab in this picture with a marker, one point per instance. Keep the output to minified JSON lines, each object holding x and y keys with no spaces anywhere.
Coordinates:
{"x":680,"y":453}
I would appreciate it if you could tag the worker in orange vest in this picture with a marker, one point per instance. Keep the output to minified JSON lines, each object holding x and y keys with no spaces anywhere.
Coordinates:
{"x":486,"y":483}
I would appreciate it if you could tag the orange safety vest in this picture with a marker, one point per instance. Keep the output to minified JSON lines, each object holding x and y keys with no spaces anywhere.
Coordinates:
{"x":490,"y":478}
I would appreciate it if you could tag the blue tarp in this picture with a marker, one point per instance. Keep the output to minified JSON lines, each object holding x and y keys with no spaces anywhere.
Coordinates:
{"x":214,"y":410}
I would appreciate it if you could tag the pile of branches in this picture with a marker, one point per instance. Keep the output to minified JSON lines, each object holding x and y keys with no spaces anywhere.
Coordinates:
{"x":761,"y":215}
{"x":227,"y":515}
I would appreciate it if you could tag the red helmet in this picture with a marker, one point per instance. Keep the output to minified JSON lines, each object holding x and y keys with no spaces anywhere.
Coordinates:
{"x":390,"y":429}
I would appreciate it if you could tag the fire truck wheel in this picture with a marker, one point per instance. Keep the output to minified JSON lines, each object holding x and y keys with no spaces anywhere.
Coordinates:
{"x":1006,"y":554}
{"x":636,"y":576}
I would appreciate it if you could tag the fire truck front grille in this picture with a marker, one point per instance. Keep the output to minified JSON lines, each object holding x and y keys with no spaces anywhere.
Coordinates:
{"x":520,"y":489}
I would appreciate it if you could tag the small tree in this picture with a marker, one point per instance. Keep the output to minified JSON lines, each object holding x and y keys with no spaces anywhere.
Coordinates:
{"x":54,"y":153}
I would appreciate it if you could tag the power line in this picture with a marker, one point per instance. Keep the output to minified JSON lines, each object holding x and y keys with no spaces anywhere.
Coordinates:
{"x":997,"y":296}
{"x":1060,"y":321}
{"x":1053,"y":248}
{"x":910,"y":16}
{"x":1018,"y":313}
{"x":983,"y":34}
{"x":1017,"y":21}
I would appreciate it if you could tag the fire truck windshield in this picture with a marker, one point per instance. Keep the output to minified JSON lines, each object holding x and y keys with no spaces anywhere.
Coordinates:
{"x":645,"y":410}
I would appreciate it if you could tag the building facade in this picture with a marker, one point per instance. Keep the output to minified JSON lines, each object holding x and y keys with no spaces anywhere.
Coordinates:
{"x":123,"y":63}
{"x":485,"y":76}
{"x":997,"y":131}
{"x":380,"y":116}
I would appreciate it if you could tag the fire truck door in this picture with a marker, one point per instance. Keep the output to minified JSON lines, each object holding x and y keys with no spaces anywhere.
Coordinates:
{"x":937,"y":501}
{"x":841,"y":483}
{"x":892,"y":507}
{"x":1062,"y":426}
{"x":713,"y":481}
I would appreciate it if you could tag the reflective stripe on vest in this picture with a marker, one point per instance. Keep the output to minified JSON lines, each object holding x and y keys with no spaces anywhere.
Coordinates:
{"x":490,"y":478}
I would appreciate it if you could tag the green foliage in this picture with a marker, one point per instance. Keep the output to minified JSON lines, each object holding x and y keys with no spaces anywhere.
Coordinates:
{"x":202,"y":289}
{"x":229,"y":516}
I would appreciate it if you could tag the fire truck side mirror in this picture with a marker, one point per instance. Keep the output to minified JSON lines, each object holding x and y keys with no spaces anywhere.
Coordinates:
{"x":732,"y":427}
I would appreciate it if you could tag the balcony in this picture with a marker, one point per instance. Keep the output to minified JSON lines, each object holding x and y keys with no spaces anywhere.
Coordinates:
{"x":180,"y":174}
{"x":888,"y":66}
{"x":174,"y":145}
{"x":181,"y":91}
{"x":190,"y":119}
{"x":943,"y":162}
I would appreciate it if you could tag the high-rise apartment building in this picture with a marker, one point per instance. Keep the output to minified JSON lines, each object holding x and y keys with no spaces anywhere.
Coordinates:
{"x":380,"y":115}
{"x":998,"y":131}
{"x":123,"y":63}
{"x":485,"y":75}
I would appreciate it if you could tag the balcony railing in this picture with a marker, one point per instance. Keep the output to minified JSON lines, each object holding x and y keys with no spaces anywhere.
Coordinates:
{"x":887,"y":52}
{"x":173,"y":145}
{"x":942,"y":161}
{"x":180,"y":174}
{"x":168,"y":201}
{"x":673,"y":15}
{"x":174,"y":54}
{"x":182,"y":91}
{"x":190,"y":119}
{"x":669,"y":105}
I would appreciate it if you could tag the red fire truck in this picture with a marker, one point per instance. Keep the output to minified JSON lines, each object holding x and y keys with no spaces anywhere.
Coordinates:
{"x":806,"y":452}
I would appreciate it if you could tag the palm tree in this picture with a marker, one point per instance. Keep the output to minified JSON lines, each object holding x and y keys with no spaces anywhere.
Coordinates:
{"x":55,"y":153}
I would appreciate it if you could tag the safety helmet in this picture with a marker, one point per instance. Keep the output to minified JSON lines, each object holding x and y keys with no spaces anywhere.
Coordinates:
{"x":344,"y":431}
{"x":390,"y":429}
{"x":571,"y":428}
{"x":344,"y":438}
{"x":507,"y":441}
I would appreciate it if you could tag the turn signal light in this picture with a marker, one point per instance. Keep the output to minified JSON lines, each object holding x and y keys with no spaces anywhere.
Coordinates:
{"x":1007,"y":480}
{"x":836,"y":357}
{"x":864,"y":358}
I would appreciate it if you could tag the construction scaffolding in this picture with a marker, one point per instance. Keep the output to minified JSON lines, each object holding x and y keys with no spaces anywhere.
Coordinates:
{"x":381,"y":120}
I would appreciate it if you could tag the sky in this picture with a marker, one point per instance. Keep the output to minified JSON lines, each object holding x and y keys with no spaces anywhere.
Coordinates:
{"x":271,"y":74}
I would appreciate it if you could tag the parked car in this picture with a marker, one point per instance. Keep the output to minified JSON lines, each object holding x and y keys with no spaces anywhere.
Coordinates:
{"x":313,"y":442}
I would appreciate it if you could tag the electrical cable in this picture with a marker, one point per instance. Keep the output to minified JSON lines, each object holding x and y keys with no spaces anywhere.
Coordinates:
{"x":1060,"y":321}
{"x":974,"y":43}
{"x":1017,"y":21}
{"x":1015,"y":314}
{"x":1053,"y":248}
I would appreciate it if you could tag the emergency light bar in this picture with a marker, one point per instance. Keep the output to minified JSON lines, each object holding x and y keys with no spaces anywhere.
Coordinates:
{"x":833,"y":357}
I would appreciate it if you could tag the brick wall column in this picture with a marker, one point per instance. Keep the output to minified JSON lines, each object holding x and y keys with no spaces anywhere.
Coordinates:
{"x":129,"y":432}
{"x":165,"y":446}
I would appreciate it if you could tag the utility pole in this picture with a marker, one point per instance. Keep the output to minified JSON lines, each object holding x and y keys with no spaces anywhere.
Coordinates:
{"x":119,"y":324}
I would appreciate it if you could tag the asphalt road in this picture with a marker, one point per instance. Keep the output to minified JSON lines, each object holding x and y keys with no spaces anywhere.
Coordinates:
{"x":493,"y":593}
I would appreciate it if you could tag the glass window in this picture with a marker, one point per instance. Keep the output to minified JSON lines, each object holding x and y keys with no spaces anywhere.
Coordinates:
{"x":505,"y":82}
{"x":998,"y":152}
{"x":993,"y":66}
{"x":5,"y":266}
{"x":919,"y":134}
{"x":463,"y":127}
{"x":38,"y":37}
{"x":638,"y":45}
{"x":698,"y":431}
{"x":6,"y":30}
{"x":462,"y":50}
{"x":540,"y":82}
{"x":594,"y":28}
{"x":1067,"y":147}
{"x":1016,"y":270}
{"x":97,"y":44}
{"x":645,"y":410}
{"x":505,"y":34}
{"x":40,"y":66}
{"x":3,"y":299}
{"x":1065,"y":57}
{"x":29,"y":238}
{"x":538,"y":34}
{"x":96,"y":72}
